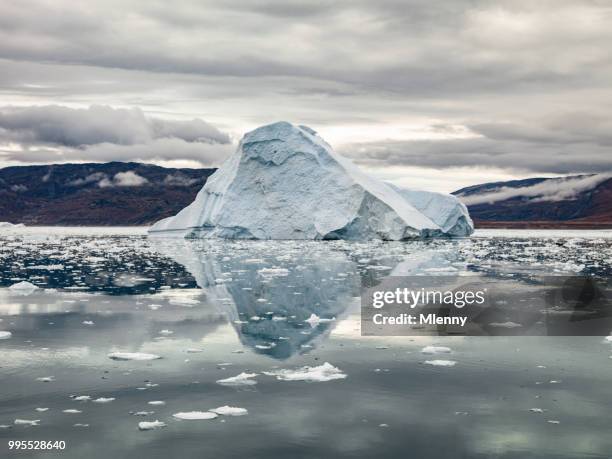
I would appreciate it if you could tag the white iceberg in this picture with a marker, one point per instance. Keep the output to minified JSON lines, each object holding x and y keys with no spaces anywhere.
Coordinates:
{"x":325,"y":372}
{"x":5,"y":334}
{"x":10,"y":225}
{"x":23,"y":288}
{"x":286,"y":182}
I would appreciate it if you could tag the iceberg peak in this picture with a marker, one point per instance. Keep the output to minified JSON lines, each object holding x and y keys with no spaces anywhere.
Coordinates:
{"x":286,"y":182}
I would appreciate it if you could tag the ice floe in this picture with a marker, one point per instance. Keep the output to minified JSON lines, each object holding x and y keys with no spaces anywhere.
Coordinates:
{"x":230,"y":411}
{"x":103,"y":400}
{"x":27,"y":422}
{"x":441,"y":363}
{"x":195,"y":415}
{"x":132,"y":356}
{"x":157,"y":403}
{"x":5,"y":334}
{"x":325,"y":372}
{"x":151,"y":425}
{"x":436,"y":350}
{"x":243,"y":379}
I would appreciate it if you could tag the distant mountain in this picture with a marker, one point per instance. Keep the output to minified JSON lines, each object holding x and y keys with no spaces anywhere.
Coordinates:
{"x":580,"y":201}
{"x":110,"y":194}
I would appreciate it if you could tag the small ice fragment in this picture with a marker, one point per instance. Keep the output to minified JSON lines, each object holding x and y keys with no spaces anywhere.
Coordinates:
{"x":81,"y":398}
{"x":143,"y":413}
{"x":194,"y":350}
{"x":103,"y":400}
{"x":382,"y":348}
{"x":315,"y":320}
{"x":383,"y":425}
{"x":26,"y":422}
{"x":436,"y":350}
{"x":230,"y":411}
{"x":553,"y":421}
{"x":325,"y":372}
{"x":166,"y":332}
{"x":88,"y":322}
{"x":42,"y":410}
{"x":243,"y":379}
{"x":5,"y":334}
{"x":195,"y":415}
{"x":536,"y":410}
{"x":78,"y":424}
{"x":265,"y":346}
{"x":71,"y":411}
{"x":132,"y":356}
{"x":157,"y":402}
{"x":441,"y":363}
{"x":46,"y":379}
{"x":152,"y":425}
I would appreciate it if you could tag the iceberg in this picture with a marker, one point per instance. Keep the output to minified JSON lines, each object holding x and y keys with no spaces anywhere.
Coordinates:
{"x":286,"y":182}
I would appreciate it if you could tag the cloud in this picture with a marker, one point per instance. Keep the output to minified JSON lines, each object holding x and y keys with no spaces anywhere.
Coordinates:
{"x":179,"y":179}
{"x":554,"y":189}
{"x":128,"y":178}
{"x":74,"y":127}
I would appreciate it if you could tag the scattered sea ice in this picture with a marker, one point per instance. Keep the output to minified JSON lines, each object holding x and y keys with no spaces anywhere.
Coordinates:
{"x":441,"y":363}
{"x":5,"y":334}
{"x":152,"y":425}
{"x":103,"y":400}
{"x":81,"y":398}
{"x":132,"y":356}
{"x":157,"y":403}
{"x":195,"y":415}
{"x":436,"y":350}
{"x":71,"y":411}
{"x":230,"y":411}
{"x":322,"y":373}
{"x":143,"y":413}
{"x":243,"y":379}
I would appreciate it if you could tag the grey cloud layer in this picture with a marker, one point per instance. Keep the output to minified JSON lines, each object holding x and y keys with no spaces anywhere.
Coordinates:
{"x":98,"y":124}
{"x":530,"y":78}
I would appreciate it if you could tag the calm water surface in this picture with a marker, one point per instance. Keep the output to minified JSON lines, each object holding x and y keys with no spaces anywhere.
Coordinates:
{"x":212,"y":311}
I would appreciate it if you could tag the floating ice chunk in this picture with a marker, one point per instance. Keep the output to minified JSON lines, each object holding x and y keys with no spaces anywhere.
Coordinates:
{"x":608,"y":339}
{"x":441,"y":363}
{"x":315,"y":320}
{"x":536,"y":410}
{"x":78,"y":424}
{"x":265,"y":346}
{"x":143,"y":413}
{"x":103,"y":400}
{"x":46,"y":379}
{"x":42,"y":410}
{"x":5,"y":334}
{"x":383,"y":425}
{"x":151,"y":425}
{"x":23,"y":287}
{"x":243,"y":379}
{"x":273,"y":272}
{"x":194,"y":350}
{"x":157,"y":402}
{"x":436,"y":350}
{"x":325,"y":372}
{"x":553,"y":421}
{"x":81,"y":398}
{"x":26,"y":422}
{"x":71,"y":411}
{"x":132,"y":356}
{"x":166,"y":332}
{"x":230,"y":411}
{"x":195,"y":415}
{"x":508,"y":324}
{"x":88,"y":322}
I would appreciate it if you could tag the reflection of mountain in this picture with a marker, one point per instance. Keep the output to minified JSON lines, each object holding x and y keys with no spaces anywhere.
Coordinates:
{"x":268,"y":290}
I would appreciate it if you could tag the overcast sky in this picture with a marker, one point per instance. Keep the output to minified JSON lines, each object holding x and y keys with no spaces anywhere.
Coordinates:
{"x":434,"y":94}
